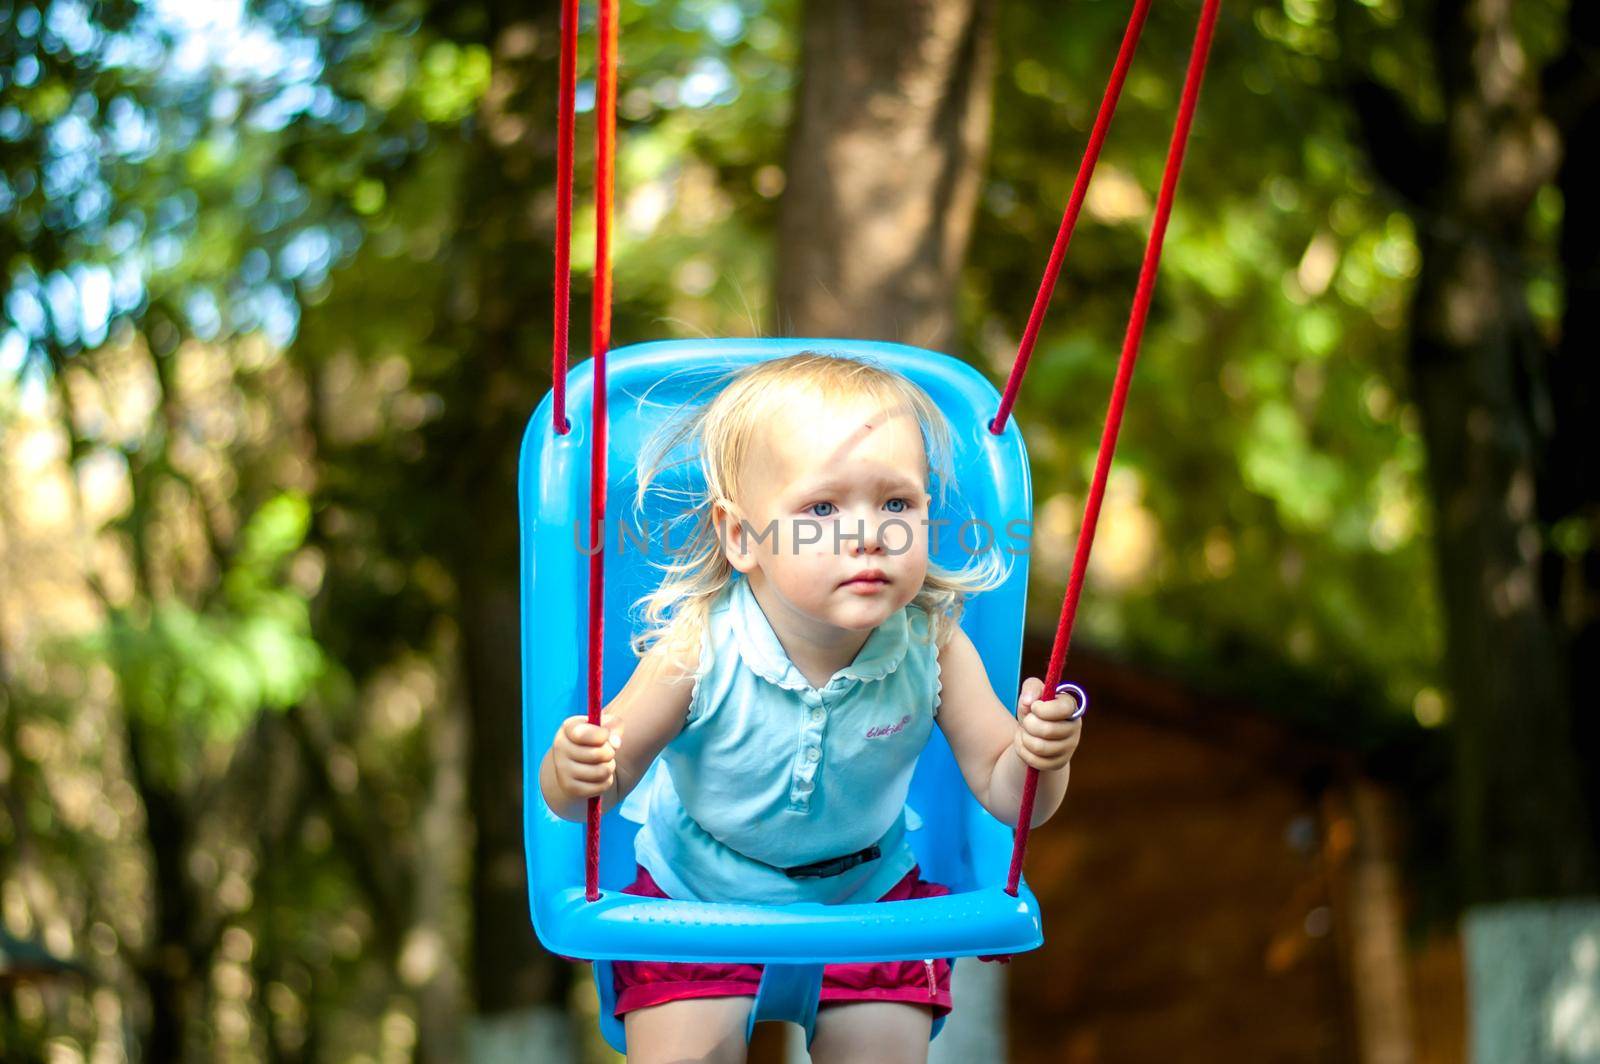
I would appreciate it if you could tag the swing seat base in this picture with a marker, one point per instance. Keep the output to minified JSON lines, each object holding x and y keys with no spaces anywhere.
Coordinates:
{"x":618,"y":926}
{"x":793,"y":941}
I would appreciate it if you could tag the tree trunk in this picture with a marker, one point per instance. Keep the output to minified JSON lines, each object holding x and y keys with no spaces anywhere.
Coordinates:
{"x":886,"y":152}
{"x":1501,"y":420}
{"x":1370,"y":919}
{"x":174,"y":971}
{"x":1474,"y":347}
{"x":497,"y":317}
{"x":1569,"y":485}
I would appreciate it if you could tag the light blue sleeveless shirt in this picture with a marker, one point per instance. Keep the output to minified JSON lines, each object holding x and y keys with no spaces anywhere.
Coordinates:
{"x":769,"y":771}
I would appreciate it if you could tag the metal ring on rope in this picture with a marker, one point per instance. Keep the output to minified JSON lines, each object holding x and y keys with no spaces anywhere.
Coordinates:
{"x":1079,"y":695}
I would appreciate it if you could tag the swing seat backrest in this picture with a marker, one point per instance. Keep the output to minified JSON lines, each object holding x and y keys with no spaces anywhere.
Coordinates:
{"x":959,"y":843}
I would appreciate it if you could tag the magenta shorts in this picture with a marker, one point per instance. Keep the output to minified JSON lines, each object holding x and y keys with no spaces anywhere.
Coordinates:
{"x":642,"y":983}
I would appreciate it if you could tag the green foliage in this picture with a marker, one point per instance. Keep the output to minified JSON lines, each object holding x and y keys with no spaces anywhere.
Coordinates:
{"x":1265,"y":425}
{"x":201,"y":676}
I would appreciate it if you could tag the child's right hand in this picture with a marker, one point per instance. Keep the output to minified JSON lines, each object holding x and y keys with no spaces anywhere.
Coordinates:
{"x":584,"y":756}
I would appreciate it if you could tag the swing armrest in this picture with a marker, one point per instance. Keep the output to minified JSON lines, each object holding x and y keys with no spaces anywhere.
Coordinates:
{"x":621,"y":926}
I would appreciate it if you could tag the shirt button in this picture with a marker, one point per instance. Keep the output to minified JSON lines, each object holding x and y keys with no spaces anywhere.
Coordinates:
{"x":813,"y":754}
{"x":816,"y":714}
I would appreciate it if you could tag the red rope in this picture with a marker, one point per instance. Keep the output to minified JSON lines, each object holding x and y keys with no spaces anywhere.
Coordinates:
{"x":1069,"y":220}
{"x":565,"y":122}
{"x":600,"y":340}
{"x":1119,"y":399}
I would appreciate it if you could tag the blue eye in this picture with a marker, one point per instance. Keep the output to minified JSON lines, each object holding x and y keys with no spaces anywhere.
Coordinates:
{"x":898,"y":506}
{"x":826,"y":509}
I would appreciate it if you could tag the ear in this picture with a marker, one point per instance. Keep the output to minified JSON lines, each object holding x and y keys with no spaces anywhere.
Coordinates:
{"x":729,"y":523}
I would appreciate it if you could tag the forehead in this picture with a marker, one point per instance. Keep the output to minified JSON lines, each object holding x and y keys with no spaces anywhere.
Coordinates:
{"x":815,"y":436}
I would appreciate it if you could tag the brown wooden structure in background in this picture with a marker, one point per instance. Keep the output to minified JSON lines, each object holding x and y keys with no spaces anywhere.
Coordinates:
{"x":1217,"y":889}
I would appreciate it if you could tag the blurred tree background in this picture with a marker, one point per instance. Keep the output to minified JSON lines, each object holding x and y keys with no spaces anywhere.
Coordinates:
{"x":276,"y":304}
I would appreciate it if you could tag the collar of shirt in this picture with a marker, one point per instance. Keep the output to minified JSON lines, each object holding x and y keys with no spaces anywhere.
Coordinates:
{"x":879,"y":656}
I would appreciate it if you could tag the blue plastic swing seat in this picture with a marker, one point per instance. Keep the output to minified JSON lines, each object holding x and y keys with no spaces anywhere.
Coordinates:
{"x":959,"y":843}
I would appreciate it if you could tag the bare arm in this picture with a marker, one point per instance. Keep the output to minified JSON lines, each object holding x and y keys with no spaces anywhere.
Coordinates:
{"x":994,"y":749}
{"x":585,"y":760}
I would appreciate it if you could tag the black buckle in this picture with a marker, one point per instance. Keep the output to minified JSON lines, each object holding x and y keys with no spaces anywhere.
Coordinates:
{"x":834,"y":865}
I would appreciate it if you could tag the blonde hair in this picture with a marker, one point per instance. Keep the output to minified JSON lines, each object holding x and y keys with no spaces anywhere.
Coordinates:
{"x":721,"y":435}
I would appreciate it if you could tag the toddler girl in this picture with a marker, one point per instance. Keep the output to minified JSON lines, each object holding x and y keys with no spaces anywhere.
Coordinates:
{"x":796,"y":657}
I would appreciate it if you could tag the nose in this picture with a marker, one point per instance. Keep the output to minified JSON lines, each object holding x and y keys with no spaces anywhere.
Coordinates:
{"x":870,"y":540}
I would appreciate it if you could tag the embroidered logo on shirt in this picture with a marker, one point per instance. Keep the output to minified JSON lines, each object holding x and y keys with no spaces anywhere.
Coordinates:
{"x":881,"y":730}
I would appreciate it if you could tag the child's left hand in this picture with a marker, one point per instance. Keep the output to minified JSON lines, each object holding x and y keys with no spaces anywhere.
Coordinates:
{"x":1045,"y":738}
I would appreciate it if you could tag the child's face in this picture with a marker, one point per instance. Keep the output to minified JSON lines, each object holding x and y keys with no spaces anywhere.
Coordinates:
{"x":835,"y":511}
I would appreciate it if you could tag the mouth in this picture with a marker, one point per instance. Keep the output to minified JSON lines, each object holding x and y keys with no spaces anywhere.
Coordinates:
{"x":869,"y":579}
